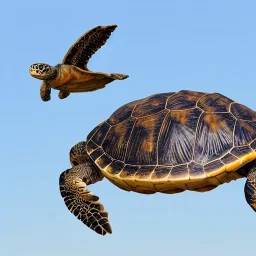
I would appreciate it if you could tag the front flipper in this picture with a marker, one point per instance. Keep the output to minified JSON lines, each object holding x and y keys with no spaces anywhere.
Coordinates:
{"x":63,"y":94}
{"x":81,"y":202}
{"x":45,"y":91}
{"x":90,"y":42}
{"x":118,"y":76}
{"x":250,"y":188}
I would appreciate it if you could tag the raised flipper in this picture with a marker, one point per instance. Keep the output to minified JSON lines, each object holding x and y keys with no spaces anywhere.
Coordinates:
{"x":80,"y":201}
{"x":91,"y":41}
{"x":250,"y":188}
{"x":118,"y":76}
{"x":45,"y":91}
{"x":63,"y":94}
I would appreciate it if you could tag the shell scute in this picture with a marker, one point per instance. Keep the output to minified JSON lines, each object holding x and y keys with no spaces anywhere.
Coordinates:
{"x":151,"y":105}
{"x":183,"y":100}
{"x":115,"y":167}
{"x":116,"y":141}
{"x":100,"y":134}
{"x":214,"y":136}
{"x":214,"y":168}
{"x":242,"y":112}
{"x":215,"y":102}
{"x":144,"y":172}
{"x":245,"y":154}
{"x":96,"y":153}
{"x":241,"y":151}
{"x":196,"y":171}
{"x":91,"y":146}
{"x":179,"y":172}
{"x":229,"y":158}
{"x":177,"y":137}
{"x":122,"y":113}
{"x":129,"y":171}
{"x":245,"y":132}
{"x":94,"y":130}
{"x":253,"y":145}
{"x":103,"y":161}
{"x":142,"y":147}
{"x":161,"y":172}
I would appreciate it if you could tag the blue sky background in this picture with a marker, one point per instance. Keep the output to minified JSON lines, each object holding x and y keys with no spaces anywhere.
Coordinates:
{"x":164,"y":46}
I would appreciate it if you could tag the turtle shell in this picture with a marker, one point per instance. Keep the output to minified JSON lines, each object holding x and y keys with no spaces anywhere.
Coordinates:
{"x":172,"y":142}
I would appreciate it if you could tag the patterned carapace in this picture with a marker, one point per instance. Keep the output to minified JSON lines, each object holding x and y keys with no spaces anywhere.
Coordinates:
{"x":172,"y":142}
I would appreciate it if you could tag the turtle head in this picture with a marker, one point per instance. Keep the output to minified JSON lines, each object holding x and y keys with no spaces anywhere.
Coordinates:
{"x":42,"y":71}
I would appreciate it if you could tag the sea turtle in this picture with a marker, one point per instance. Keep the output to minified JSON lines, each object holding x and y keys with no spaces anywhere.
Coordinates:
{"x":72,"y":75}
{"x":169,"y":143}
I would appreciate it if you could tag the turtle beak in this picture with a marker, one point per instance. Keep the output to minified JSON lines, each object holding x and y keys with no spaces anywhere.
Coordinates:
{"x":33,"y":72}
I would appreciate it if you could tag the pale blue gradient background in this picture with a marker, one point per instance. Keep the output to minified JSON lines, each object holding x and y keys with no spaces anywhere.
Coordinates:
{"x":164,"y":46}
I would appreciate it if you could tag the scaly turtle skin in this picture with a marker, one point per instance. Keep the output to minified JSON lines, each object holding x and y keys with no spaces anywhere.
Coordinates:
{"x":72,"y":75}
{"x":167,"y":143}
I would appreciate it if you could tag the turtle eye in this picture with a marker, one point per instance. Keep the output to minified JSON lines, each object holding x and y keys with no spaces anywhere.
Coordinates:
{"x":40,"y":67}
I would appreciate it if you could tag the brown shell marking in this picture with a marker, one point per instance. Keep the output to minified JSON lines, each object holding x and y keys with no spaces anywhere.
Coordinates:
{"x":215,"y":102}
{"x":215,"y":122}
{"x":96,"y":154}
{"x":181,"y":117}
{"x":122,"y":113}
{"x":103,"y":161}
{"x":196,"y":171}
{"x":245,"y":132}
{"x":179,"y":173}
{"x":214,"y":168}
{"x":161,"y":173}
{"x":117,"y":138}
{"x":214,"y":138}
{"x":231,"y":162}
{"x":245,"y":154}
{"x":142,"y":147}
{"x":242,"y":112}
{"x":100,"y":135}
{"x":129,"y":171}
{"x":91,"y":146}
{"x":115,"y":167}
{"x":183,"y":100}
{"x":151,"y":105}
{"x":135,"y":178}
{"x":177,"y":135}
{"x":147,"y":168}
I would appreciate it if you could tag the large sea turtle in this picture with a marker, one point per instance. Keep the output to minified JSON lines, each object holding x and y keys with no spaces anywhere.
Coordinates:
{"x":72,"y":75}
{"x":169,"y":143}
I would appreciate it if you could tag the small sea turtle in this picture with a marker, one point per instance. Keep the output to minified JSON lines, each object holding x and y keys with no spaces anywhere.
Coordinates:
{"x":167,"y":143}
{"x":72,"y":75}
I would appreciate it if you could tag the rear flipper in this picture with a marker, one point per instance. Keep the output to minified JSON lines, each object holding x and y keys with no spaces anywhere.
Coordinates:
{"x":118,"y":76}
{"x":45,"y":91}
{"x":63,"y":94}
{"x":250,"y":188}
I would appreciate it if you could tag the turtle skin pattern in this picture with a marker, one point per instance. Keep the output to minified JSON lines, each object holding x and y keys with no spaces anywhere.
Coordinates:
{"x":172,"y":142}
